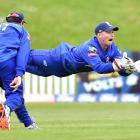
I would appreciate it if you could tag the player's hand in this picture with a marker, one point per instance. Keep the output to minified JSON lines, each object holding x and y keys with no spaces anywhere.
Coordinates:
{"x":126,"y":59}
{"x":117,"y":64}
{"x":126,"y":63}
{"x":130,"y":68}
{"x":15,"y":83}
{"x":130,"y":65}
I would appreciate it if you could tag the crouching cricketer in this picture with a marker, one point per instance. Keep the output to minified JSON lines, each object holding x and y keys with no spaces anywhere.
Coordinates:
{"x":14,"y":51}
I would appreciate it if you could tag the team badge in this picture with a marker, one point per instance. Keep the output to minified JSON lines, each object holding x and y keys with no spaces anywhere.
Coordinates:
{"x":92,"y":51}
{"x":107,"y":60}
{"x":91,"y":48}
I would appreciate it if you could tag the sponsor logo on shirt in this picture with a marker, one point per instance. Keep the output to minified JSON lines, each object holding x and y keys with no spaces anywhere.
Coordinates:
{"x":28,"y":37}
{"x":45,"y":63}
{"x":92,"y":54}
{"x":107,"y":60}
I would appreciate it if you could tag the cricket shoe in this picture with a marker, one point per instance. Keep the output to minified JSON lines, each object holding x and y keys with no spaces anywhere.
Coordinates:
{"x":33,"y":126}
{"x":4,"y":117}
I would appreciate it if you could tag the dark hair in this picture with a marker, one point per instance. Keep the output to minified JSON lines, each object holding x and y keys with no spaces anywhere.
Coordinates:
{"x":13,"y":19}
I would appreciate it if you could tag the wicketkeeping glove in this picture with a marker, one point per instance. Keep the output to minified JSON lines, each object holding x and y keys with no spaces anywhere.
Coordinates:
{"x":124,"y":63}
{"x":137,"y":65}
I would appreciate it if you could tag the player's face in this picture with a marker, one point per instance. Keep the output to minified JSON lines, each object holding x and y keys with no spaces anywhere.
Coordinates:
{"x":105,"y":38}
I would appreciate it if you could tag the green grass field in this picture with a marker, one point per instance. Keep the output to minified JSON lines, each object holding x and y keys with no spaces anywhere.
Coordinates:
{"x":79,"y":121}
{"x":53,"y":21}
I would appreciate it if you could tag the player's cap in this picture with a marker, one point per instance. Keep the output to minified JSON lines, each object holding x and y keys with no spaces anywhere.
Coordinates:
{"x":105,"y":27}
{"x":17,"y":15}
